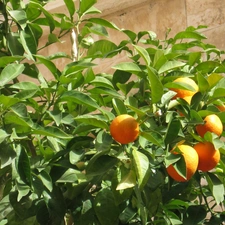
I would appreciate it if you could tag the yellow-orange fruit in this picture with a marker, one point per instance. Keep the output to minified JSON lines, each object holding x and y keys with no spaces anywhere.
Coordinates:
{"x":124,"y":129}
{"x":183,"y":93}
{"x":212,"y":123}
{"x":208,"y":156}
{"x":221,"y":107}
{"x":191,"y":162}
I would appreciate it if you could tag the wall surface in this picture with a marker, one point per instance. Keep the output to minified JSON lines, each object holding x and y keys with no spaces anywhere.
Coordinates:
{"x":157,"y":16}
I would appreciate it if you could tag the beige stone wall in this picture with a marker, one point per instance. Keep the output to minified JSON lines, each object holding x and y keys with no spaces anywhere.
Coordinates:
{"x":157,"y":16}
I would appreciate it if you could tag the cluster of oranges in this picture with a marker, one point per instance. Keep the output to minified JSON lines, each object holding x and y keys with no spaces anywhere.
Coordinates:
{"x":202,"y":156}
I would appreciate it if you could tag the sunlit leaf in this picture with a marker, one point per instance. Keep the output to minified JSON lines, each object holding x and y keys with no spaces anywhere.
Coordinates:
{"x":127,"y":181}
{"x":92,"y":120}
{"x":102,"y":48}
{"x":79,"y":98}
{"x":216,"y":187}
{"x":19,"y":16}
{"x":103,"y":22}
{"x":170,"y":65}
{"x":85,"y":5}
{"x":156,"y":86}
{"x":141,"y":164}
{"x":70,"y":6}
{"x":144,"y":54}
{"x":10,"y":72}
{"x":128,"y":67}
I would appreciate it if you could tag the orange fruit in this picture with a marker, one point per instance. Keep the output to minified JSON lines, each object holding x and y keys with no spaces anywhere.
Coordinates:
{"x":208,"y":156}
{"x":124,"y":129}
{"x":183,"y":93}
{"x":212,"y":123}
{"x":191,"y":162}
{"x":221,"y":107}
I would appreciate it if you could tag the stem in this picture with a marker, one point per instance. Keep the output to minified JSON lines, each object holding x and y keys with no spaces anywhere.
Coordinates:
{"x":31,"y":147}
{"x":204,"y":197}
{"x":141,"y":206}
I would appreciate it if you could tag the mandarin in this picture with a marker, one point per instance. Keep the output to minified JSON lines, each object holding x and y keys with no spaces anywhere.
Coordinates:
{"x":183,"y":93}
{"x":208,"y":156}
{"x":212,"y":123}
{"x":124,"y":129}
{"x":191,"y":162}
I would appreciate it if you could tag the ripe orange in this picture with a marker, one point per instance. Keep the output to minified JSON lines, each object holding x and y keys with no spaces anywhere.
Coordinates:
{"x":212,"y":123}
{"x":191,"y":161}
{"x":183,"y":93}
{"x":124,"y":129}
{"x":221,"y":107}
{"x":208,"y":156}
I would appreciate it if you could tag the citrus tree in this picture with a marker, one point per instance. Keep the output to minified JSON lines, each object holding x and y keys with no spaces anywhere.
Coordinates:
{"x":140,"y":145}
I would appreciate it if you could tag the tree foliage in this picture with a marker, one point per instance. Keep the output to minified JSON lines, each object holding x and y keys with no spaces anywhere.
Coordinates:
{"x":58,"y":161}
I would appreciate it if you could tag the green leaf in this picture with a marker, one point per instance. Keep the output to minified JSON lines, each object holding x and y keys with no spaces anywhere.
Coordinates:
{"x":85,"y":5}
{"x":103,"y":23}
{"x":144,"y":54}
{"x":102,"y":48}
{"x":20,"y":17}
{"x":171,"y":158}
{"x":23,"y":166}
{"x":104,"y":91}
{"x":180,"y":167}
{"x":69,"y":176}
{"x":156,"y":86}
{"x":7,"y":155}
{"x":14,"y":44}
{"x":159,"y":59}
{"x":119,"y":106}
{"x":196,"y":214}
{"x":218,"y":93}
{"x":142,"y":167}
{"x":100,"y":164}
{"x":103,"y":204}
{"x":5,"y":207}
{"x":79,"y":98}
{"x":70,"y":6}
{"x":216,"y":187}
{"x":128,"y":67}
{"x":25,"y":85}
{"x":189,"y":35}
{"x":170,"y":65}
{"x":173,"y":129}
{"x":207,"y":66}
{"x":103,"y":141}
{"x":10,"y":72}
{"x":132,"y":35}
{"x":128,"y":181}
{"x":74,"y":67}
{"x":52,"y":132}
{"x":49,"y":64}
{"x":56,"y":116}
{"x":214,"y":79}
{"x":3,"y":135}
{"x":4,"y":60}
{"x":29,"y":43}
{"x":49,"y":18}
{"x":127,"y":215}
{"x":93,"y":120}
{"x":120,"y":77}
{"x":202,"y":83}
{"x":46,"y":180}
{"x":194,"y":58}
{"x":153,"y":137}
{"x":101,"y":81}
